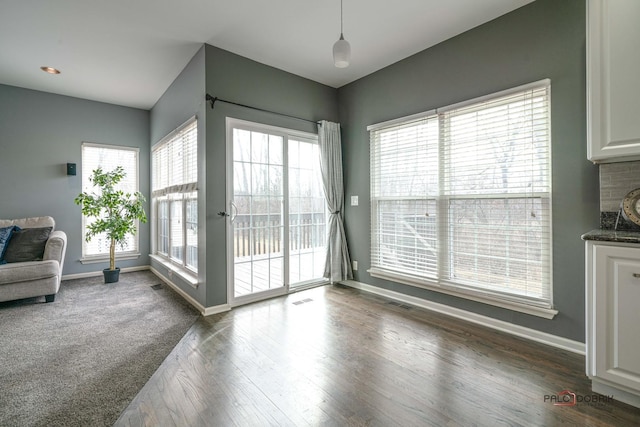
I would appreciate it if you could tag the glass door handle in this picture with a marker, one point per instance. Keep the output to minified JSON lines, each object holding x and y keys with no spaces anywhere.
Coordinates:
{"x":234,"y":210}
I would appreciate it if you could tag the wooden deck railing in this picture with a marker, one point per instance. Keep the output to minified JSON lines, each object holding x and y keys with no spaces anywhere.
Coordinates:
{"x":305,"y":231}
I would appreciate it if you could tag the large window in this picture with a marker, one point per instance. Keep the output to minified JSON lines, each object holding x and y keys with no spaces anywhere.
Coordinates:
{"x":175,"y":200}
{"x":460,"y":198}
{"x":108,"y":158}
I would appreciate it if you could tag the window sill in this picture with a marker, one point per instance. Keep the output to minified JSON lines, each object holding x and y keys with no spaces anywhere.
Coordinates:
{"x":105,"y":258}
{"x":185,"y":275}
{"x":547,"y":313}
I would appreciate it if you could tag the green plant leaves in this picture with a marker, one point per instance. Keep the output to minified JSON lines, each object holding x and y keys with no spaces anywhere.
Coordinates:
{"x":116,"y":212}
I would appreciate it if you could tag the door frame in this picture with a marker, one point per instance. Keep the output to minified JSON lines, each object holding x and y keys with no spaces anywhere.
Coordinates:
{"x":232,"y":123}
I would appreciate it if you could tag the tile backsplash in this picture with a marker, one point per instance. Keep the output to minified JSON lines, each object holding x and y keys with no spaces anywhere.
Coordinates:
{"x":616,"y":180}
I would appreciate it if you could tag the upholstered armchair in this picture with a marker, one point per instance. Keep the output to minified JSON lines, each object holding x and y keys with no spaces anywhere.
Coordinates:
{"x":31,"y":258}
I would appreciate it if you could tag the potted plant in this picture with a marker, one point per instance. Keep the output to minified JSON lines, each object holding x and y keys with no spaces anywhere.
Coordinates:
{"x":115,"y":213}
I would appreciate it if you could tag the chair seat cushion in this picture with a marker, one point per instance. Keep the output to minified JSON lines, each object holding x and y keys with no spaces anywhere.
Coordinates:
{"x":26,"y":271}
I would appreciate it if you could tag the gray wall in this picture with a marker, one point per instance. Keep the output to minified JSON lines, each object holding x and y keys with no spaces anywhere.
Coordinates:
{"x":40,"y":134}
{"x":234,"y":78}
{"x":545,"y":39}
{"x":244,"y":81}
{"x":181,"y":101}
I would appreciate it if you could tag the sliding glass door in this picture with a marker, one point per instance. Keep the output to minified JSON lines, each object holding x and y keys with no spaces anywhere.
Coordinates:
{"x":307,"y":213}
{"x":277,"y":215}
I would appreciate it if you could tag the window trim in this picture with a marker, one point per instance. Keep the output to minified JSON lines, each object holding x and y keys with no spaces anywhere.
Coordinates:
{"x":119,"y":255}
{"x":440,"y":284}
{"x":547,"y":313}
{"x":167,"y":256}
{"x":232,"y":123}
{"x":186,"y":272}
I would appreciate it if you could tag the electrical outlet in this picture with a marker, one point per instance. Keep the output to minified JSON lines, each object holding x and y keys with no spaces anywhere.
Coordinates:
{"x":354,"y":265}
{"x":354,"y":200}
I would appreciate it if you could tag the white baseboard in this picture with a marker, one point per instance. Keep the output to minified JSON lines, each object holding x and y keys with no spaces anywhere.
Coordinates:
{"x":216,"y":309}
{"x":99,"y":272}
{"x":205,"y":311}
{"x":500,"y":325}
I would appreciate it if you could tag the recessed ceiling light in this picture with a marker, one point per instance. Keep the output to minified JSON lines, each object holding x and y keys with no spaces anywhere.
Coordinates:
{"x":50,"y":70}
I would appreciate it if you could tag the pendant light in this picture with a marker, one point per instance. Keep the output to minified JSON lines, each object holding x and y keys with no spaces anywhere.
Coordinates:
{"x":341,"y":48}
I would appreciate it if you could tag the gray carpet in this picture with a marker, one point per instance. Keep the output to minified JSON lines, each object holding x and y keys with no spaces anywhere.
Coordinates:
{"x":80,"y":360}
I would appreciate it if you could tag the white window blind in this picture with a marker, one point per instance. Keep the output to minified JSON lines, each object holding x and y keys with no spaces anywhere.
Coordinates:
{"x":175,"y":161}
{"x":404,"y":187}
{"x":462,"y":198}
{"x":108,"y":158}
{"x":174,"y":184}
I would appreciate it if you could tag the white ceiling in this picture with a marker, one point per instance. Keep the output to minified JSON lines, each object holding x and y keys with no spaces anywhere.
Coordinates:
{"x":127,"y":52}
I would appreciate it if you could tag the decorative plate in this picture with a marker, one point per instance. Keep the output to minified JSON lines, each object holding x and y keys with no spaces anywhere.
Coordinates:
{"x":631,"y":206}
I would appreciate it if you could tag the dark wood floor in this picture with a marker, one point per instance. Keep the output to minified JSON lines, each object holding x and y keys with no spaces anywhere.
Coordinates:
{"x":335,"y":356}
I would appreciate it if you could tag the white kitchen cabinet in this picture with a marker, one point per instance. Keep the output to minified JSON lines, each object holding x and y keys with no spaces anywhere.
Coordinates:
{"x":613,"y":319}
{"x":613,"y":80}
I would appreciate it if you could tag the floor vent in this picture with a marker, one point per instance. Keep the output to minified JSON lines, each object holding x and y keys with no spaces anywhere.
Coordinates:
{"x":302,"y":301}
{"x":399,"y":304}
{"x":157,"y":287}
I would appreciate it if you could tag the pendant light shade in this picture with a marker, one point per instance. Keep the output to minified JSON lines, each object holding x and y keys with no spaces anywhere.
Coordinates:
{"x":341,"y":53}
{"x":341,"y":48}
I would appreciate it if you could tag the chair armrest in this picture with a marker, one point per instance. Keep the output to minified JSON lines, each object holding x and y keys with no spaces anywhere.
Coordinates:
{"x":56,"y":247}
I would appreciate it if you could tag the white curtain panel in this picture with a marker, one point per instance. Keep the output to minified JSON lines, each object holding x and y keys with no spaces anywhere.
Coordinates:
{"x":338,"y":264}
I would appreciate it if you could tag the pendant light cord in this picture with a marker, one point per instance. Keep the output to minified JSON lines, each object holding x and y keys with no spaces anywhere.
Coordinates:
{"x":341,"y":19}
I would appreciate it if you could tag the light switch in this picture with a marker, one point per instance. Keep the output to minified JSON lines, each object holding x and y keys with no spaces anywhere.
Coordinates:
{"x":354,"y":200}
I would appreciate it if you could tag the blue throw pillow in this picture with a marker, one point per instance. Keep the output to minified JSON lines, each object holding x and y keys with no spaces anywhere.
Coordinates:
{"x":5,"y":236}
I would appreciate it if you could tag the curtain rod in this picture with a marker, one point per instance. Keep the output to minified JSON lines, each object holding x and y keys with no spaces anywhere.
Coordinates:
{"x":214,"y":99}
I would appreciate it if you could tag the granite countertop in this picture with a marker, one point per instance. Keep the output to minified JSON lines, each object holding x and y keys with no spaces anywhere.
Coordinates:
{"x":613,"y":236}
{"x":614,"y":227}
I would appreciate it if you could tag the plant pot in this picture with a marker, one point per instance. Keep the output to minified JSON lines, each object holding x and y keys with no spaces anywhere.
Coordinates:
{"x":111,"y":276}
